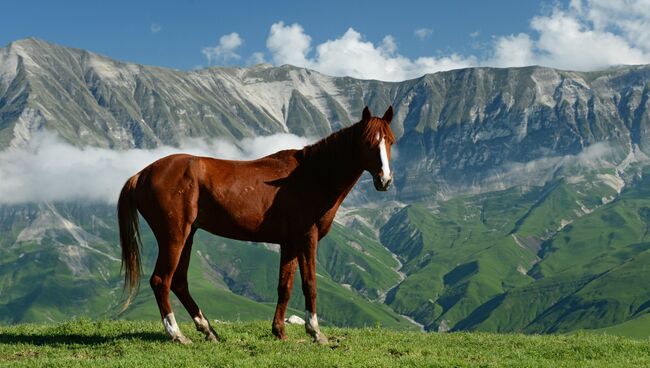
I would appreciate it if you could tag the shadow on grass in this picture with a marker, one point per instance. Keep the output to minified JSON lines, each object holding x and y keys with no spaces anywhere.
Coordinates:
{"x":77,"y":339}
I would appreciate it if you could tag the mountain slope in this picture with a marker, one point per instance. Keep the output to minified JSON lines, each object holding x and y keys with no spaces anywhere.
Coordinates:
{"x":54,"y":269}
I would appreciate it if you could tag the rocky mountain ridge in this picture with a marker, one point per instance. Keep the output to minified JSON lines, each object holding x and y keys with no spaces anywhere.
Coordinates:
{"x":459,"y":129}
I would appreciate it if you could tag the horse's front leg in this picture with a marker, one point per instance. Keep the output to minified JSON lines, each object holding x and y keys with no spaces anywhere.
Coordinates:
{"x":288,"y":264}
{"x":307,"y":261}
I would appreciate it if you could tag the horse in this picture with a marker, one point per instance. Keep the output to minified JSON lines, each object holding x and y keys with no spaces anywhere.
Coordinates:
{"x":289,"y":197}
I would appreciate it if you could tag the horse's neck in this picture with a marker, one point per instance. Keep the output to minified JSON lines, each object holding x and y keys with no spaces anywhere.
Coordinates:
{"x":333,"y":162}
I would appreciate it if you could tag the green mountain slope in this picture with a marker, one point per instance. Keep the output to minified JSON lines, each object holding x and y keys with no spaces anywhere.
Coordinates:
{"x":55,"y":269}
{"x":590,"y":274}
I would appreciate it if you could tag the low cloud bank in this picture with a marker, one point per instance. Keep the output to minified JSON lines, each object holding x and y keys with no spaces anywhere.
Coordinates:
{"x":593,"y":156}
{"x":49,"y":169}
{"x":539,"y":171}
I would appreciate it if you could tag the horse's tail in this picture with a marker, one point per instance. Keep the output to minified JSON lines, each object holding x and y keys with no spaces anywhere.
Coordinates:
{"x":127,"y":215}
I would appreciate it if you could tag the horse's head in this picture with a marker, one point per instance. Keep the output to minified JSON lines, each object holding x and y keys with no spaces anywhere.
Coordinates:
{"x":377,"y":139}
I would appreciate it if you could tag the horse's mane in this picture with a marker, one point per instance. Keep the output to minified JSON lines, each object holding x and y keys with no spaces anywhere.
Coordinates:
{"x":340,"y":142}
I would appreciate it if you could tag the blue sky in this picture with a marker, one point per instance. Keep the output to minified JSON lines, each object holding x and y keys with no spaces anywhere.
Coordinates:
{"x":388,"y":40}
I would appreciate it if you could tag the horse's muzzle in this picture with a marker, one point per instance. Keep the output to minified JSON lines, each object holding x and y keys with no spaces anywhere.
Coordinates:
{"x":382,"y":183}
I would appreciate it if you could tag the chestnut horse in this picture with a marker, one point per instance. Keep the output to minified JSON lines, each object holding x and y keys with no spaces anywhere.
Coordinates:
{"x":289,"y":198}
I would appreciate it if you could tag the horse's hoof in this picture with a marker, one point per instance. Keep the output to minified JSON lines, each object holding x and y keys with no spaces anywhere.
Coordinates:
{"x":212,"y":338}
{"x":280,"y":336}
{"x":181,"y":339}
{"x":321,"y":339}
{"x":279,"y":333}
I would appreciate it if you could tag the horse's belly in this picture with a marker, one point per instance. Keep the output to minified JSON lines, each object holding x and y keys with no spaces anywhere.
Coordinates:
{"x":240,"y":227}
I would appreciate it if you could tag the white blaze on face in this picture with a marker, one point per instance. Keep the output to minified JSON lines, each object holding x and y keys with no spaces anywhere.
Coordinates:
{"x":383,"y":154}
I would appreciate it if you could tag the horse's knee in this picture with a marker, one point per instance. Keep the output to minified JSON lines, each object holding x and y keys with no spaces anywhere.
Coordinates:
{"x":158,"y":284}
{"x":155,"y":281}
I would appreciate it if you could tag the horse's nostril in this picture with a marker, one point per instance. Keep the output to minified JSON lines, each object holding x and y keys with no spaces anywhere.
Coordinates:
{"x":386,"y":182}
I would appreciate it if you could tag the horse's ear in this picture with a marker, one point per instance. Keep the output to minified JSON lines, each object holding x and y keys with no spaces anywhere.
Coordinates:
{"x":366,"y":115}
{"x":388,"y":115}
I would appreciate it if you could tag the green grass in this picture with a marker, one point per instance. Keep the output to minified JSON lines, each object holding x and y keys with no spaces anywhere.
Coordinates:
{"x":143,"y":344}
{"x":635,"y":328}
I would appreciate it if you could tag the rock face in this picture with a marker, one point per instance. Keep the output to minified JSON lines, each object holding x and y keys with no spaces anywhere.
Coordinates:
{"x":459,"y":131}
{"x":295,"y":320}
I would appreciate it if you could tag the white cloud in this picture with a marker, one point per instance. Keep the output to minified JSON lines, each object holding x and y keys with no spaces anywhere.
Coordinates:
{"x":631,"y":18}
{"x":566,"y":41}
{"x":389,"y":45}
{"x":351,"y":55}
{"x":588,"y":35}
{"x":256,"y":58}
{"x":49,"y":169}
{"x":543,"y":169}
{"x":288,"y":44}
{"x":585,"y":35}
{"x":155,"y":27}
{"x":513,"y":51}
{"x":423,"y":33}
{"x":225,"y":51}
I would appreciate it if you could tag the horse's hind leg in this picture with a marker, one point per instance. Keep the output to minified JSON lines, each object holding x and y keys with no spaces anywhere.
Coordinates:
{"x":170,"y":246}
{"x":180,"y":288}
{"x":307,"y":262}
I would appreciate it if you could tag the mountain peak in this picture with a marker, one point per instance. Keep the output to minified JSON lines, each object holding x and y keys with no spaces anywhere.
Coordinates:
{"x":32,"y":43}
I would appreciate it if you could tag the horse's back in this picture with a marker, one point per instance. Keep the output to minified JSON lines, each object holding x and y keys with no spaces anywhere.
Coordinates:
{"x":233,"y":174}
{"x":236,"y":195}
{"x":226,"y":197}
{"x":170,"y":169}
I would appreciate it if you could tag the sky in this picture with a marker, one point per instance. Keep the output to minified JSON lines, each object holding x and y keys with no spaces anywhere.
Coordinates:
{"x":386,"y":40}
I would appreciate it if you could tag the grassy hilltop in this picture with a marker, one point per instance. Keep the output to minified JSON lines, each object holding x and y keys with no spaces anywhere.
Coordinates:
{"x":143,"y":344}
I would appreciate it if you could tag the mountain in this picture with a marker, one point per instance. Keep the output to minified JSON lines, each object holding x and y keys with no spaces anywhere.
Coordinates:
{"x":519,"y":204}
{"x":459,"y":129}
